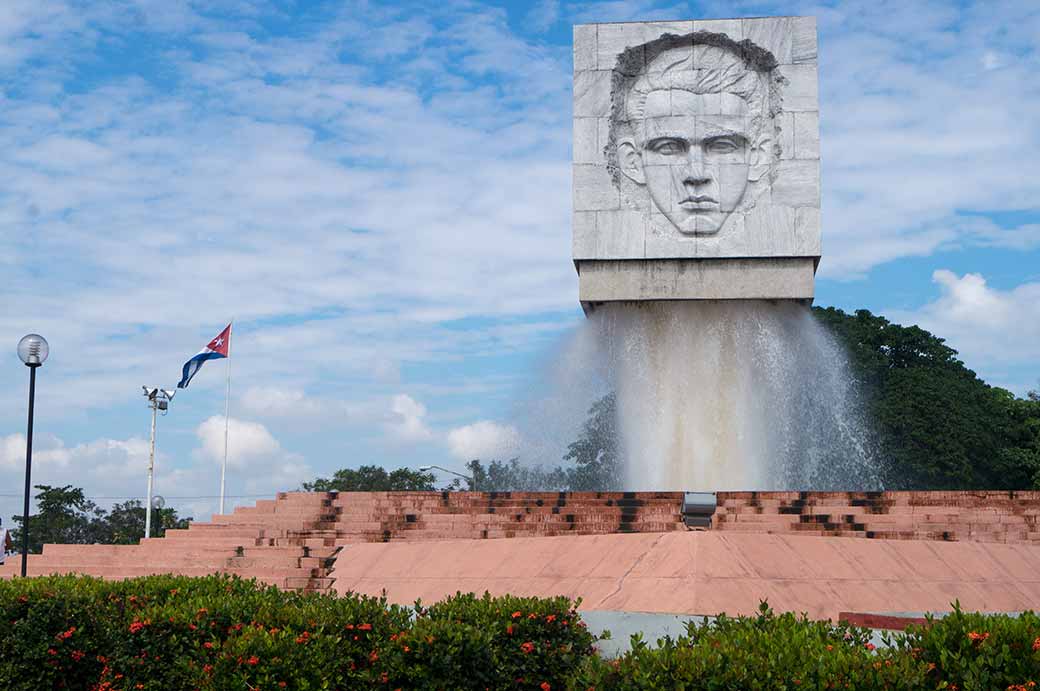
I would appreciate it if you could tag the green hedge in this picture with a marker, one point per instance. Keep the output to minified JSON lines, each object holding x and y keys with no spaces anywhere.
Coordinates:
{"x":222,"y":633}
{"x":769,"y":651}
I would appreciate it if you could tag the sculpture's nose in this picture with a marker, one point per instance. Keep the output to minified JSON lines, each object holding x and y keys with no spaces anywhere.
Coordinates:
{"x":694,"y":172}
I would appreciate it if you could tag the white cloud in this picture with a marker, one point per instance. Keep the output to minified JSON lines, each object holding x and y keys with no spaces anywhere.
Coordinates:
{"x":380,"y":197}
{"x":48,"y":452}
{"x":248,"y":442}
{"x":408,"y":420}
{"x":486,"y":439}
{"x":991,"y":329}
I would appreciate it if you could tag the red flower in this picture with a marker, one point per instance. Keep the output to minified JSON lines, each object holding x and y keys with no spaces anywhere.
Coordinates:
{"x":52,"y":651}
{"x":136,"y":626}
{"x":550,"y":618}
{"x":1036,"y":644}
{"x":373,"y":656}
{"x":869,"y":646}
{"x":517,"y":615}
{"x":65,"y":635}
{"x":254,"y":660}
{"x":509,"y":629}
{"x":208,"y":645}
{"x":527,"y":647}
{"x":303,"y":638}
{"x":545,"y":686}
{"x":532,"y":615}
{"x":78,"y":655}
{"x":365,"y":627}
{"x":978,"y":638}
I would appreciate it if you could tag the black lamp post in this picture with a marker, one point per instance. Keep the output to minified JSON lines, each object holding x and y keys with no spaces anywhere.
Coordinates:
{"x":32,"y":350}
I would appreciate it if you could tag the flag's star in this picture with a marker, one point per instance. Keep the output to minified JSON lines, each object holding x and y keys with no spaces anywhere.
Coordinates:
{"x":219,"y":342}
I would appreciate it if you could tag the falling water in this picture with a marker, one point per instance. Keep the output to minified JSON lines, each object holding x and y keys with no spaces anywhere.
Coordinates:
{"x":732,"y":395}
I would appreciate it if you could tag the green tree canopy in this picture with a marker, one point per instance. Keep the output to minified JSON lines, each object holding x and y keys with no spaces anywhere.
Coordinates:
{"x":940,"y":426}
{"x":64,"y":515}
{"x":371,"y":478}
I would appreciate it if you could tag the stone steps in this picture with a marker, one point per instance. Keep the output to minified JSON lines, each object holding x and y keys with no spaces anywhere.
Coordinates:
{"x":1006,"y":517}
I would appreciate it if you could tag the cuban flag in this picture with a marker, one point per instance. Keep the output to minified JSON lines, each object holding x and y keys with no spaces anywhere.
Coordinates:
{"x":217,"y":348}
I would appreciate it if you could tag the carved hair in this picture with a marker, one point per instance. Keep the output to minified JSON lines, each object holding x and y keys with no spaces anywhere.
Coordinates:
{"x":743,"y":69}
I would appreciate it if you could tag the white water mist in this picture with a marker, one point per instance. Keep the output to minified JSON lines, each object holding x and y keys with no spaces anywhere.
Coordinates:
{"x":732,"y":395}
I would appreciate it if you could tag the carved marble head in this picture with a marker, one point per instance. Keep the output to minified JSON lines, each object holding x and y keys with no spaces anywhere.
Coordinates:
{"x":693,"y":138}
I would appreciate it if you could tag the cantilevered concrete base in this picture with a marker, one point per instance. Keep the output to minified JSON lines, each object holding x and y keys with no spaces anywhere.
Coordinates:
{"x":772,"y":278}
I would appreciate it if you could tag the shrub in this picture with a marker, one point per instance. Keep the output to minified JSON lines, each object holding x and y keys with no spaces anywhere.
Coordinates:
{"x":221,"y":633}
{"x":979,"y":651}
{"x":507,"y":642}
{"x":765,"y":652}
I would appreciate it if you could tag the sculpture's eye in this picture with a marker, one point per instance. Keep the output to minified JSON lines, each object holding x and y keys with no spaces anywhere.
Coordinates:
{"x":723,"y":145}
{"x":667,"y":147}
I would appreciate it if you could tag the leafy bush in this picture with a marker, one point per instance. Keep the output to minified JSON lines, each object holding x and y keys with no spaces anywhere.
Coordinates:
{"x":764,"y":652}
{"x":507,"y":642}
{"x":221,"y":633}
{"x":979,"y":651}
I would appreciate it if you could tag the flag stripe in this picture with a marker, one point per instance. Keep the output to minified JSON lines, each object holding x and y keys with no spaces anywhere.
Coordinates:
{"x":193,"y":365}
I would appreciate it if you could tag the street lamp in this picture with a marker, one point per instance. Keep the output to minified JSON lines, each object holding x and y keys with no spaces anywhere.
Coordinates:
{"x":158,"y":502}
{"x":33,"y":351}
{"x":467,"y":478}
{"x":158,"y":399}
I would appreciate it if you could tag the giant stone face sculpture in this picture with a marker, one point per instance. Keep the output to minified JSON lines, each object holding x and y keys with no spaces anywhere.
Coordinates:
{"x":696,"y":160}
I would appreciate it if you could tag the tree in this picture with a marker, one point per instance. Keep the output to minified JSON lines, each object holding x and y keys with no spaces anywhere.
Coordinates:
{"x":371,"y":478}
{"x":64,"y":516}
{"x":596,"y":451}
{"x":940,"y":426}
{"x":510,"y":476}
{"x":126,"y":522}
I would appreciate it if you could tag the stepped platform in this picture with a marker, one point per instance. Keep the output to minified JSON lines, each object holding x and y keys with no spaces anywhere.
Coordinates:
{"x":706,"y":572}
{"x":914,"y":551}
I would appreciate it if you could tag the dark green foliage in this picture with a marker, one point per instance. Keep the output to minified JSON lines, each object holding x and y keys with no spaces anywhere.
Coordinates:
{"x":221,"y":633}
{"x":62,"y":515}
{"x":371,"y":478}
{"x":939,"y":425}
{"x":126,"y":522}
{"x":962,"y":651}
{"x":596,"y":452}
{"x":65,"y":516}
{"x":499,"y":476}
{"x":595,"y":459}
{"x":224,"y":634}
{"x":979,"y":651}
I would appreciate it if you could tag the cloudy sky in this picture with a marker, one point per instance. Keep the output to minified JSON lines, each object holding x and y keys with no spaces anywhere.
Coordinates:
{"x":379,"y":195}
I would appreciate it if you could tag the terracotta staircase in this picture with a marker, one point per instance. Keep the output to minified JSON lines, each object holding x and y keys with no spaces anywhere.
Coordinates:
{"x":293,"y":540}
{"x":988,"y":516}
{"x":282,"y":542}
{"x":423,"y":516}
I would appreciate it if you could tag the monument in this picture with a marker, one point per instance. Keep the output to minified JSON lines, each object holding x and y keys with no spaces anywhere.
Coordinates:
{"x":696,"y":160}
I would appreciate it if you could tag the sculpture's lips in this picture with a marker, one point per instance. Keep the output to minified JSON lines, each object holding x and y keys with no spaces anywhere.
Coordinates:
{"x":700,"y":203}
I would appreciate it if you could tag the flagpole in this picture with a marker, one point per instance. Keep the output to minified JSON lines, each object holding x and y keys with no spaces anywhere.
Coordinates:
{"x":227,"y":416}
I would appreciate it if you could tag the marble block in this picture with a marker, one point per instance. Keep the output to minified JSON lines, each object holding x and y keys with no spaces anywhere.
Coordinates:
{"x":696,"y":141}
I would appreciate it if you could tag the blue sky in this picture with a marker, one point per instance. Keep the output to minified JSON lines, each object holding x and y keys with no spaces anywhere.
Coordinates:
{"x":379,"y":194}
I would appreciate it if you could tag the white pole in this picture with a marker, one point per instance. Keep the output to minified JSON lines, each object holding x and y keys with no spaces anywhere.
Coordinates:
{"x":151,"y":468}
{"x":227,"y":418}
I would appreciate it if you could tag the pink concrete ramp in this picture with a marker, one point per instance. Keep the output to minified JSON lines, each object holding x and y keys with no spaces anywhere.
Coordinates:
{"x":705,"y":572}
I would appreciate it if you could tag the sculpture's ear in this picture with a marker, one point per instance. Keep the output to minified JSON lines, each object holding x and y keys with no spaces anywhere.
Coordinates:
{"x":760,"y":157}
{"x":631,"y":161}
